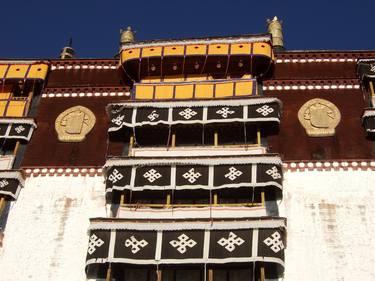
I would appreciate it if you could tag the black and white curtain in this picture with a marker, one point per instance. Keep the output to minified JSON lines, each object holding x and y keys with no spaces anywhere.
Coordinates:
{"x":11,"y":183}
{"x":17,"y":128}
{"x":366,"y":69}
{"x":199,"y":173}
{"x":188,"y":242}
{"x":137,"y":114}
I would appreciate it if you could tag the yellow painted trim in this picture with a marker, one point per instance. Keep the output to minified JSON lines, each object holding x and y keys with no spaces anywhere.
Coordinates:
{"x":164,"y":92}
{"x":184,"y":91}
{"x":224,"y":90}
{"x":152,"y":52}
{"x":144,"y":92}
{"x":16,"y":108}
{"x":193,"y":50}
{"x":174,"y":51}
{"x":38,"y":71}
{"x":204,"y":91}
{"x":218,"y":49}
{"x":244,"y":88}
{"x":3,"y":69}
{"x":262,"y":49}
{"x":240,"y":49}
{"x":17,"y":71}
{"x":130,"y":54}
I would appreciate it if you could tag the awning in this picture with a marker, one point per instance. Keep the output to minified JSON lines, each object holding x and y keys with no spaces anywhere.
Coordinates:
{"x":185,"y":242}
{"x":17,"y":128}
{"x":368,"y":120}
{"x":366,"y":69}
{"x":139,"y":174}
{"x":137,"y":114}
{"x":23,"y":70}
{"x":11,"y":182}
{"x":251,"y":54}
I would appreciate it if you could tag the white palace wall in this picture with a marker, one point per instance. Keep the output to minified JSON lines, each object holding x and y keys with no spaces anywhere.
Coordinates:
{"x":331,"y":223}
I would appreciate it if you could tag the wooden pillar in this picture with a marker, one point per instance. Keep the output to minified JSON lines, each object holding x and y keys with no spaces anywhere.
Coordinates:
{"x":372,"y":92}
{"x":262,"y":274}
{"x":215,"y":199}
{"x":158,"y":274}
{"x":122,"y":199}
{"x":131,"y":143}
{"x":173,"y":143}
{"x":168,"y":201}
{"x":216,"y":138}
{"x":2,"y":204}
{"x":210,"y":275}
{"x":263,"y":199}
{"x":28,"y":104}
{"x":259,"y":140}
{"x":109,"y":273}
{"x":16,"y":148}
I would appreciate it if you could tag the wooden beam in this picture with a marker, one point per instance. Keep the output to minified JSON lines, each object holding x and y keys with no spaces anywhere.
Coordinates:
{"x":16,"y":148}
{"x":262,"y":274}
{"x":168,"y":201}
{"x":2,"y":204}
{"x":122,"y":199}
{"x":216,"y":138}
{"x":109,"y":273}
{"x":372,"y":89}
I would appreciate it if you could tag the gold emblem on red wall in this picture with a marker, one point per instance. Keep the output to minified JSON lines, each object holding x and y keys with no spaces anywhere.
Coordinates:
{"x":319,"y":117}
{"x":74,"y":124}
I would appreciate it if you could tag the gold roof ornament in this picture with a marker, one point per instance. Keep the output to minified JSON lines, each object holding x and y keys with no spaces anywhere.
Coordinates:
{"x":127,"y":36}
{"x":68,"y":51}
{"x":276,"y":29}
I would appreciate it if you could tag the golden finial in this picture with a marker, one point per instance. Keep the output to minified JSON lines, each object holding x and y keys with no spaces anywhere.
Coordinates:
{"x":127,"y":36}
{"x":276,"y":29}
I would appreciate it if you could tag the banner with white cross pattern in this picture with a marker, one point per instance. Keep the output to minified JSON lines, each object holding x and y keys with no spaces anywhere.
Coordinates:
{"x":192,"y":242}
{"x":139,"y":174}
{"x":366,"y":69}
{"x":136,"y":114}
{"x":17,"y":128}
{"x":11,"y":182}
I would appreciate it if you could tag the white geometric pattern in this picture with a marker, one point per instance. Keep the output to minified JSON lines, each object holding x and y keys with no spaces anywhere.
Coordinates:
{"x":182,"y":243}
{"x":275,"y":242}
{"x":274,"y":173}
{"x":191,"y":176}
{"x":187,"y":113}
{"x":135,"y":244}
{"x":115,"y":176}
{"x":231,"y":242}
{"x":372,"y":67}
{"x":118,"y":120}
{"x":152,"y":175}
{"x":233,"y":173}
{"x":224,"y":112}
{"x":153,"y":115}
{"x":265,"y":110}
{"x":94,"y":243}
{"x":20,"y":129}
{"x":3,"y":183}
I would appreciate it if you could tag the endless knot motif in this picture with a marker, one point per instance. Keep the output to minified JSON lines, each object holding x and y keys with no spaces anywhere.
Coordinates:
{"x":372,"y":67}
{"x":274,"y":173}
{"x":115,"y":176}
{"x":19,"y":129}
{"x":274,"y":242}
{"x":182,"y":243}
{"x":94,"y":243}
{"x":230,"y":243}
{"x":153,"y":115}
{"x":118,"y":120}
{"x":265,"y":110}
{"x":152,"y":175}
{"x":224,"y":112}
{"x":233,"y":173}
{"x":135,"y":244}
{"x":3,"y":183}
{"x":187,"y":113}
{"x":191,"y":176}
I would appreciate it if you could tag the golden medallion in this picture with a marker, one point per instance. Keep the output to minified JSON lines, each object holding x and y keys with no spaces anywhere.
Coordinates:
{"x":74,"y":124}
{"x":319,"y":117}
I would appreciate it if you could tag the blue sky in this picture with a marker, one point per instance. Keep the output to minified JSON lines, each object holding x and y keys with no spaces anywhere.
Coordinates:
{"x":39,"y":28}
